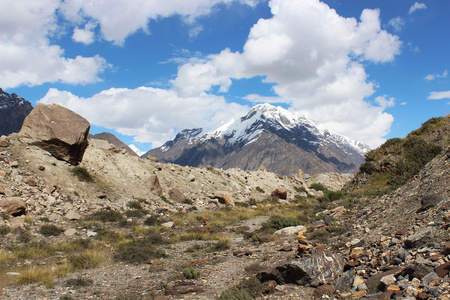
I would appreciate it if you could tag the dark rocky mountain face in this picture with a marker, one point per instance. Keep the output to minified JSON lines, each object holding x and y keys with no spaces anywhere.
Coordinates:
{"x":13,"y":110}
{"x":269,"y":137}
{"x":113,"y":140}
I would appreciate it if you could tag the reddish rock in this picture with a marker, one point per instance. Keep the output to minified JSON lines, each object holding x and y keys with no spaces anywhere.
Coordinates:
{"x":57,"y":130}
{"x":325,"y":289}
{"x":268,"y":287}
{"x":269,"y":238}
{"x":31,"y":182}
{"x":182,"y":287}
{"x":280,"y":193}
{"x":443,"y":269}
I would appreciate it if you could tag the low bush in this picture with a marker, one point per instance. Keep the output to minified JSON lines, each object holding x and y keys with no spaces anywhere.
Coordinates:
{"x":318,"y":187}
{"x":152,"y":221}
{"x":137,"y":251}
{"x":278,"y":222}
{"x":87,"y":260}
{"x":259,"y":190}
{"x":235,"y":294}
{"x":106,"y":215}
{"x":50,"y":230}
{"x":82,"y":174}
{"x":191,"y":273}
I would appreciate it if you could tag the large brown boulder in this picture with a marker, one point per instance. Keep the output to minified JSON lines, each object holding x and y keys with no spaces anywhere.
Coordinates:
{"x":154,"y":186}
{"x":177,"y":196}
{"x":224,"y":198}
{"x":318,"y":269}
{"x":57,"y":130}
{"x":13,"y":206}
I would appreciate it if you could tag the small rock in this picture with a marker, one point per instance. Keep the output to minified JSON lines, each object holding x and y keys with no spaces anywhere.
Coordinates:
{"x":429,"y":278}
{"x":40,"y":167}
{"x":224,"y":198}
{"x":71,"y":215}
{"x":280,"y":193}
{"x":91,"y":233}
{"x":388,"y":280}
{"x":168,"y":224}
{"x":269,"y":238}
{"x":70,"y":232}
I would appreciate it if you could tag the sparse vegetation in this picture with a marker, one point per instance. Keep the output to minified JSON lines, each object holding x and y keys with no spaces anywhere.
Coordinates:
{"x":106,"y":216}
{"x":50,"y":230}
{"x":82,"y":174}
{"x":138,"y":251}
{"x":259,"y":190}
{"x":278,"y":222}
{"x":191,"y":273}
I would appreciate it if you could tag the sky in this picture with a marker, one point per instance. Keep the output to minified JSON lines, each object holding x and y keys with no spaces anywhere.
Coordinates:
{"x":147,"y":69}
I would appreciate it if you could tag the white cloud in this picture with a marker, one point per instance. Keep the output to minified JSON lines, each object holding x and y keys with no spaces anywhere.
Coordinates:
{"x":27,"y":55}
{"x":86,"y":35}
{"x":417,"y":6}
{"x":314,"y":58}
{"x":124,"y":17}
{"x":439,"y":95}
{"x":435,"y":76}
{"x":397,"y":23}
{"x":149,"y":114}
{"x":385,"y":101}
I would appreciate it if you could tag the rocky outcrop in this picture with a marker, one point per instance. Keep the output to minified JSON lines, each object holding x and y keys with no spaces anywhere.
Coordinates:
{"x":321,"y":268}
{"x":58,"y":130}
{"x":13,"y":206}
{"x":13,"y":111}
{"x":224,"y":198}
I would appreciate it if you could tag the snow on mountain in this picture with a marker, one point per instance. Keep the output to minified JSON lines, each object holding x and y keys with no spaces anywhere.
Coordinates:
{"x":268,"y":117}
{"x":136,"y":150}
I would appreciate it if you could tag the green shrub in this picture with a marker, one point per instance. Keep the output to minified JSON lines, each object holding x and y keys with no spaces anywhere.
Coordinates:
{"x":79,"y":282}
{"x":368,"y":168}
{"x":221,"y":245}
{"x":50,"y":229}
{"x":260,"y":190}
{"x":318,"y":187}
{"x":137,"y":251}
{"x":235,"y":294}
{"x":278,"y":222}
{"x":106,"y":215}
{"x":191,"y":273}
{"x":82,"y":174}
{"x":135,"y":213}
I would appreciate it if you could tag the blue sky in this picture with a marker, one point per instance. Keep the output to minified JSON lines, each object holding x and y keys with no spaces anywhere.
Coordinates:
{"x":144,"y":70}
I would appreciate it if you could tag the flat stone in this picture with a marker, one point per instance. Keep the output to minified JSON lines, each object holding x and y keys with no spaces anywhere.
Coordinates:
{"x":70,"y":232}
{"x":71,"y":215}
{"x":443,"y":269}
{"x":292,"y":230}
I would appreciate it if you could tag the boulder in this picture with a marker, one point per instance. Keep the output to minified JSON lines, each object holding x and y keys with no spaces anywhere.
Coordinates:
{"x":152,"y":158}
{"x":318,"y":269}
{"x":300,"y":176}
{"x":176,"y":195}
{"x":292,"y":230}
{"x":224,"y":198}
{"x":57,"y":130}
{"x":429,"y":201}
{"x":14,"y":206}
{"x":154,"y":186}
{"x":280,"y":193}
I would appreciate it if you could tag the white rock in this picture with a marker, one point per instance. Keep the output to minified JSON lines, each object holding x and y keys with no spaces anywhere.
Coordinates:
{"x":71,"y":215}
{"x":388,"y":280}
{"x":167,"y":224}
{"x":70,"y":232}
{"x":91,"y":233}
{"x":292,"y":230}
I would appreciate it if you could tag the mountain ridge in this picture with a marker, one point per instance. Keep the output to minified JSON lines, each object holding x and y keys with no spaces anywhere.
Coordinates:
{"x":13,"y":111}
{"x":265,"y":127}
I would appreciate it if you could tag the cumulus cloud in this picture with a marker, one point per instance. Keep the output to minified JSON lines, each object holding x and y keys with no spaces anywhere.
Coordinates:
{"x":385,"y":101}
{"x":149,"y":114}
{"x":27,"y":55}
{"x":439,"y":95}
{"x":119,"y":20}
{"x":417,"y":6}
{"x":435,"y":76}
{"x":314,"y":59}
{"x":85,"y":35}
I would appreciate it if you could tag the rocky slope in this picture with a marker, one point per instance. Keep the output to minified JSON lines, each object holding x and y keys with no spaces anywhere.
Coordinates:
{"x":13,"y":110}
{"x":216,"y":228}
{"x":267,"y":136}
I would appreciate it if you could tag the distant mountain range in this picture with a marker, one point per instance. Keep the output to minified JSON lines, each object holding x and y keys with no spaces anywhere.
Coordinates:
{"x":270,"y":137}
{"x":113,"y":140}
{"x":13,"y":110}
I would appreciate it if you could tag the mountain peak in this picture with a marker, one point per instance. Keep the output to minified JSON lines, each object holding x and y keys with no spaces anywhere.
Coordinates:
{"x":267,"y":135}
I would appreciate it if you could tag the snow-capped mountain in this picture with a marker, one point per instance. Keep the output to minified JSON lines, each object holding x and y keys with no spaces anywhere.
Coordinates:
{"x":267,"y":136}
{"x":13,"y":110}
{"x":136,"y":150}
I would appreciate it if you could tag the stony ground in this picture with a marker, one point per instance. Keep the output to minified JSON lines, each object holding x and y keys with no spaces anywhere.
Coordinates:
{"x":395,"y":246}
